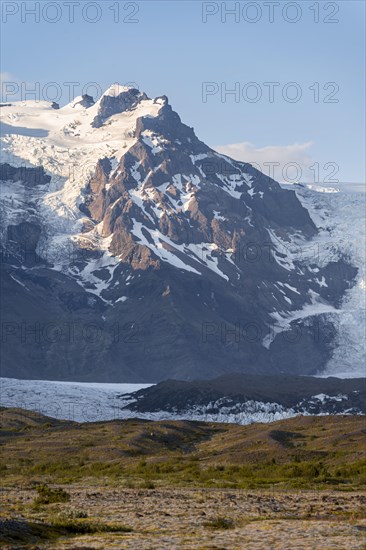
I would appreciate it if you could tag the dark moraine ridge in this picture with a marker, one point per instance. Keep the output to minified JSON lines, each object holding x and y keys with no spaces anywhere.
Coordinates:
{"x":296,"y":392}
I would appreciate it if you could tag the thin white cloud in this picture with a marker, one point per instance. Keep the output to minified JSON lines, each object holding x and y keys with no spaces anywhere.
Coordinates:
{"x":282,"y":162}
{"x":7,"y":77}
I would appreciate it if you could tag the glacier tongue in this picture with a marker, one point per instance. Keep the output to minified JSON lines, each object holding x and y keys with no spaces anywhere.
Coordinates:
{"x":339,"y":212}
{"x":91,"y":402}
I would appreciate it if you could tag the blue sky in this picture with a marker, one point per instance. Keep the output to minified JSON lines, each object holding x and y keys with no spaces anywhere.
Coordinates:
{"x":171,"y":50}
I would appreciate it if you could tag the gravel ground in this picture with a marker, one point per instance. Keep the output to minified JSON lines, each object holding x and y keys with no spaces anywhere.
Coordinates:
{"x":169,"y":519}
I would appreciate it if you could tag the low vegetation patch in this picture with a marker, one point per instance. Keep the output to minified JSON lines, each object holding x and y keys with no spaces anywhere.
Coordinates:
{"x":47,"y":495}
{"x":301,"y":453}
{"x":219,"y":523}
{"x":79,"y":527}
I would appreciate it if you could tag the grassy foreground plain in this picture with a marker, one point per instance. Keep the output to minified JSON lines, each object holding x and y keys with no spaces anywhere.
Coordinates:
{"x":296,"y":483}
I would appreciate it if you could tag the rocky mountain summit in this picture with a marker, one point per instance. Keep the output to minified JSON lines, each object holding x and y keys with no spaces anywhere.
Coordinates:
{"x":134,"y":252}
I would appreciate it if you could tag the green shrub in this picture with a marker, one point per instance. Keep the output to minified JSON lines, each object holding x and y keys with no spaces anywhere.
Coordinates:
{"x":46,"y":495}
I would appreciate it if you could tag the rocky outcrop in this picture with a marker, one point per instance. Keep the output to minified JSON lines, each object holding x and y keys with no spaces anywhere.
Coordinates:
{"x":28,"y":176}
{"x":22,"y":242}
{"x":113,"y":104}
{"x":86,"y":101}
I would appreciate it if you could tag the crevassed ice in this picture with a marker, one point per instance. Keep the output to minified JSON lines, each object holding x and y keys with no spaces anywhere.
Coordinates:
{"x":339,"y":213}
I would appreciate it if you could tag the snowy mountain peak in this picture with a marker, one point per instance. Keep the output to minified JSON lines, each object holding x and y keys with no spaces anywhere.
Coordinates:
{"x":132,"y":216}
